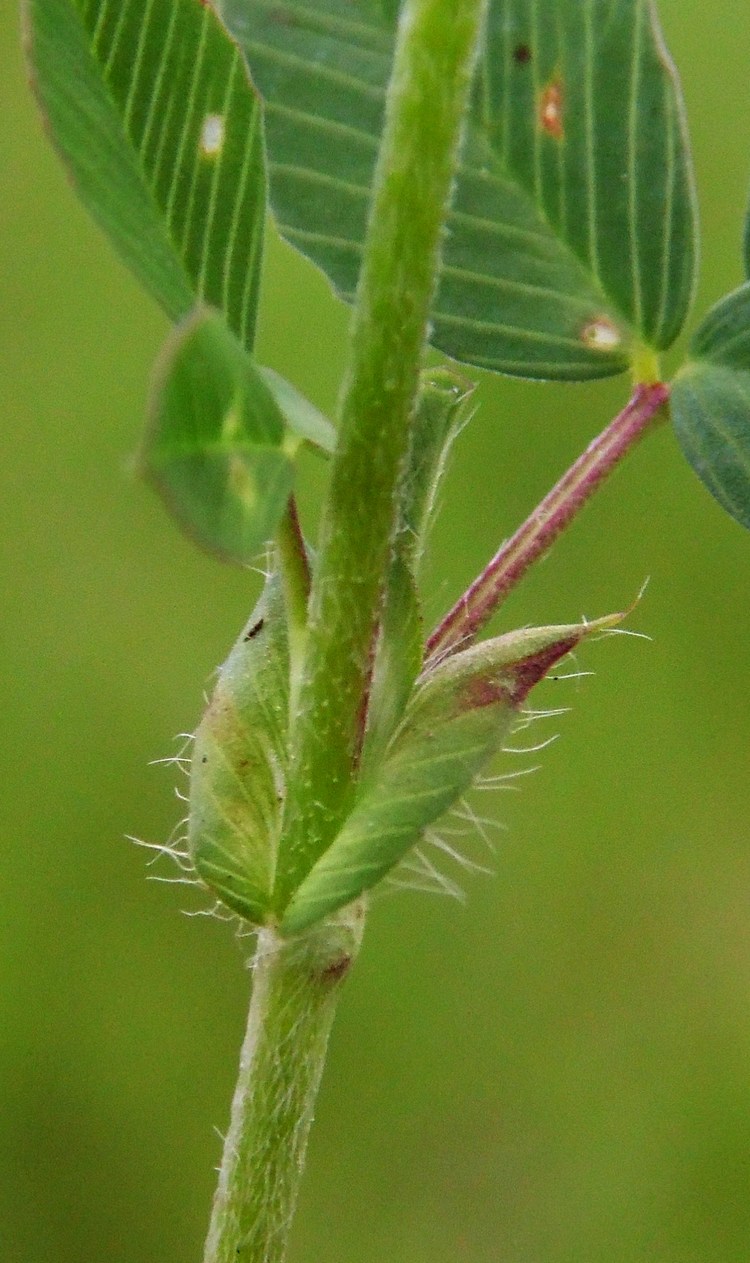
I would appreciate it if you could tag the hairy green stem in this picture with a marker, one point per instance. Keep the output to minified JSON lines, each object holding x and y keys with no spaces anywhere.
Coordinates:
{"x":426,"y":103}
{"x":296,"y":985}
{"x":537,"y":534}
{"x":297,"y":980}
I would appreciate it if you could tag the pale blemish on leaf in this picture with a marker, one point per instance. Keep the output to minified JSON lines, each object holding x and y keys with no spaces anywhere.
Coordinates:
{"x":551,"y":110}
{"x":241,"y":483}
{"x":601,"y":334}
{"x":231,"y":426}
{"x":212,"y":135}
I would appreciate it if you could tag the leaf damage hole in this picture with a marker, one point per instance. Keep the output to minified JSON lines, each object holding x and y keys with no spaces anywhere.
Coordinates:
{"x":551,"y":110}
{"x":212,"y":135}
{"x":601,"y":334}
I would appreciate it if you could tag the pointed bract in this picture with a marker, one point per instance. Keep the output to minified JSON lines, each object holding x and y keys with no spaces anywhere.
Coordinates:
{"x":458,"y":717}
{"x":238,"y":773}
{"x":399,"y":650}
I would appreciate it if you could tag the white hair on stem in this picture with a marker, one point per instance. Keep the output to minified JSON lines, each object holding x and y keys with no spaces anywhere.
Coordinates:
{"x":175,"y":881}
{"x":542,"y":745}
{"x":463,"y":810}
{"x":504,"y":780}
{"x":437,"y":841}
{"x":168,"y":850}
{"x":571,"y":675}
{"x":529,"y":715}
{"x":419,"y":874}
{"x":620,"y":631}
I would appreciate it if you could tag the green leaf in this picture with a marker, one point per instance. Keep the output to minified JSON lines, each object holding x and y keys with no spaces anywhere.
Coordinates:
{"x":216,"y":448}
{"x":572,"y":236}
{"x":711,"y":404}
{"x":458,"y":717}
{"x":238,"y":769}
{"x":149,"y":105}
{"x":300,"y":415}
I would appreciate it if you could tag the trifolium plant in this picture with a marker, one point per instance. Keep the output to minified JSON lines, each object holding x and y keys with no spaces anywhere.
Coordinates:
{"x":506,"y":182}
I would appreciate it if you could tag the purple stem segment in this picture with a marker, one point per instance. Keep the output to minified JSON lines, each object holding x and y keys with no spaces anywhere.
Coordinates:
{"x":539,"y":532}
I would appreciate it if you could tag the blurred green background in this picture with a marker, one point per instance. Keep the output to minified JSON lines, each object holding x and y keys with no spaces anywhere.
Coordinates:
{"x":557,"y":1071}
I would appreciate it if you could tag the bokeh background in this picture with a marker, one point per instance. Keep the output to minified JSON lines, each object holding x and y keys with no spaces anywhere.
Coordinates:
{"x":556,"y":1071}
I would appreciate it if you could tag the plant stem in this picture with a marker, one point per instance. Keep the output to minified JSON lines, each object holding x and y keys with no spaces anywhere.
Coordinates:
{"x":539,"y":532}
{"x":426,"y":103}
{"x":296,"y":984}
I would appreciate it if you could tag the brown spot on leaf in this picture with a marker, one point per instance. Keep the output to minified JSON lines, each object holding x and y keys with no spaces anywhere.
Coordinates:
{"x":551,"y":110}
{"x":522,"y":54}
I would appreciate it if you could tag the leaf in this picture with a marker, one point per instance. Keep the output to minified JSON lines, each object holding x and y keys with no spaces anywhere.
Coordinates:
{"x":457,"y":719}
{"x":572,"y":234}
{"x":238,"y":770}
{"x":216,"y":448}
{"x":711,"y":404}
{"x":301,"y":415}
{"x":149,"y":105}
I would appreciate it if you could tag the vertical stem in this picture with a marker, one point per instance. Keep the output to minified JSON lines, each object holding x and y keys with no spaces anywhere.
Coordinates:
{"x":426,"y":104}
{"x":296,"y":985}
{"x":540,"y":530}
{"x":297,"y":980}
